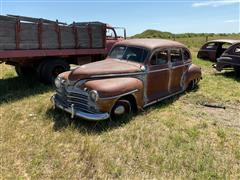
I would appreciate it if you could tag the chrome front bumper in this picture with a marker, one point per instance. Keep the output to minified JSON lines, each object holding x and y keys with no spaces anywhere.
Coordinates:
{"x":77,"y":113}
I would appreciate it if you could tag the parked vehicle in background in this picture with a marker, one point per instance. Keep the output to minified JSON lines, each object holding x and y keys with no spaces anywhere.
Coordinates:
{"x":229,"y":59}
{"x":47,"y":48}
{"x":136,"y":74}
{"x":215,"y":48}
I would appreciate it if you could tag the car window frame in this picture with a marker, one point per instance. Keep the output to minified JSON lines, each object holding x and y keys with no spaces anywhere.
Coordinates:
{"x":146,"y":49}
{"x":207,"y":44}
{"x":190,"y":56}
{"x":178,"y":63}
{"x":234,"y":50}
{"x":154,"y":53}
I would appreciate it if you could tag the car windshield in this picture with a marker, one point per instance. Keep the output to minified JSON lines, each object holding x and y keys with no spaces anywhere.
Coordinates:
{"x":129,"y":53}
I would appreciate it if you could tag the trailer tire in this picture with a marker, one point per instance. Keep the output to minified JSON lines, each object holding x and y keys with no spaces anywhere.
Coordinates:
{"x":24,"y":71}
{"x":50,"y":69}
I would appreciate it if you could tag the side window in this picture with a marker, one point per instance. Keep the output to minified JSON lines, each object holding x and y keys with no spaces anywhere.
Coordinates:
{"x":226,"y":45}
{"x":175,"y":55}
{"x":237,"y":50}
{"x":211,"y":46}
{"x":160,"y":58}
{"x":186,"y":55}
{"x":110,"y":34}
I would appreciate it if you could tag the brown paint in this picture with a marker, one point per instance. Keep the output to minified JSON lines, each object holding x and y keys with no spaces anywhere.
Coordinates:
{"x":114,"y":79}
{"x":108,"y":66}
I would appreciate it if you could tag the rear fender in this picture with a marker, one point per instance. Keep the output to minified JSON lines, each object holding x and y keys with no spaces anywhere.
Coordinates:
{"x":193,"y":73}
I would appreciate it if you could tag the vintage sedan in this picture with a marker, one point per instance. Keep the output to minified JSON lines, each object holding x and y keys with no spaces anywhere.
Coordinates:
{"x":215,"y":48}
{"x":136,"y":74}
{"x":229,"y":59}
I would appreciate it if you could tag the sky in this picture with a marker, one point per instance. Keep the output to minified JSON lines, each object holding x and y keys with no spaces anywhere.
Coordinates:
{"x":176,"y":16}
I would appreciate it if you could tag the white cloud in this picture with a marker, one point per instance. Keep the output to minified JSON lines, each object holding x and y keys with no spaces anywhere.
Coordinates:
{"x":215,"y":3}
{"x":232,"y":21}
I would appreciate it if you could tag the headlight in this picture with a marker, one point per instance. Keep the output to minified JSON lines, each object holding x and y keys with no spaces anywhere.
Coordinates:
{"x":58,"y":81}
{"x":93,"y":95}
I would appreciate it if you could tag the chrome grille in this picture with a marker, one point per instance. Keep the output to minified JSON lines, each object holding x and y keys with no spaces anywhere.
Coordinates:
{"x":78,"y":99}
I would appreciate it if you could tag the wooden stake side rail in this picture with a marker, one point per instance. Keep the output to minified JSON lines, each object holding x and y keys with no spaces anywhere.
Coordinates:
{"x":31,"y":19}
{"x":41,"y":37}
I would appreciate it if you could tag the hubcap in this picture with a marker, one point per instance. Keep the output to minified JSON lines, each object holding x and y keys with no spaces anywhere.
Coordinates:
{"x":119,"y":110}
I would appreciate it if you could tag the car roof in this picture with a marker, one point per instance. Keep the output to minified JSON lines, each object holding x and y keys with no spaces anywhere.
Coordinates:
{"x":151,"y":43}
{"x":230,"y":41}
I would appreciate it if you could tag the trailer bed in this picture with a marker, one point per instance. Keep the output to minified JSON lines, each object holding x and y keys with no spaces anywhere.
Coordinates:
{"x":22,"y":37}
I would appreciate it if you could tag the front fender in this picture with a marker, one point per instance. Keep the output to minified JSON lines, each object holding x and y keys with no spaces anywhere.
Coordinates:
{"x":111,"y":89}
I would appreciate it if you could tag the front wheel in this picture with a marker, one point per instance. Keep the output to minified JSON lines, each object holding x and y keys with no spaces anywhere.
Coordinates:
{"x":121,"y":109}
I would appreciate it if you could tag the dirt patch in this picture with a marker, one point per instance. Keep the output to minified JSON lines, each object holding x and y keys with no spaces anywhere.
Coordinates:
{"x":230,"y":116}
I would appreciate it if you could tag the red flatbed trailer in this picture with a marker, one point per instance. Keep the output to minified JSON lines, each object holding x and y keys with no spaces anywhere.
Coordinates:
{"x":47,"y":48}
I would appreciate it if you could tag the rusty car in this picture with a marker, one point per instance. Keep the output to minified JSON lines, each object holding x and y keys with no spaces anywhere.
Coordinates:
{"x":215,"y":48}
{"x":137,"y":73}
{"x":229,"y":59}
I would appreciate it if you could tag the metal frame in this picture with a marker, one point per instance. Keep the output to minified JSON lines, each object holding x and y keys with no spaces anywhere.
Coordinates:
{"x":52,"y":52}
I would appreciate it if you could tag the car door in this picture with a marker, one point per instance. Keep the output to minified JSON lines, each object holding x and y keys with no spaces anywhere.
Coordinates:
{"x":177,"y":69}
{"x":208,"y":51}
{"x":158,"y":75}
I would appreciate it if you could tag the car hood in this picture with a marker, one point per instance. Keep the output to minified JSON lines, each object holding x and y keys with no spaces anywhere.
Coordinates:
{"x":104,"y":67}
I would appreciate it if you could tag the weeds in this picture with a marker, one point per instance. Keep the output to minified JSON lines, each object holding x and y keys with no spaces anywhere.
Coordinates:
{"x":174,"y":139}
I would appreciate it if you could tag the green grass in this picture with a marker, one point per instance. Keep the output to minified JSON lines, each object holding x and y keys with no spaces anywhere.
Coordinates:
{"x":174,"y":139}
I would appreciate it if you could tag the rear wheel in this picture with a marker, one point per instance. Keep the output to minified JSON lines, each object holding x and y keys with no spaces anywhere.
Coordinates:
{"x":24,"y":71}
{"x":50,"y":69}
{"x":192,"y":85}
{"x":121,"y":109}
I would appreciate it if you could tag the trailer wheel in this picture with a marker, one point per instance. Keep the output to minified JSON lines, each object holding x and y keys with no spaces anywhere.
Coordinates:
{"x":50,"y":69}
{"x":24,"y":71}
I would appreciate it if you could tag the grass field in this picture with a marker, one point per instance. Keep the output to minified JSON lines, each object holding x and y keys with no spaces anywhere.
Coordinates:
{"x":177,"y":138}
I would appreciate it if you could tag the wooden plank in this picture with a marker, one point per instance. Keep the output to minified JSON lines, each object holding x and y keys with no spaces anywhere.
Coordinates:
{"x":49,"y":37}
{"x":28,"y":36}
{"x":67,"y":38}
{"x":97,"y":39}
{"x":83,"y":40}
{"x":7,"y":34}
